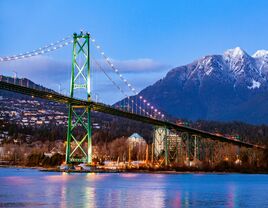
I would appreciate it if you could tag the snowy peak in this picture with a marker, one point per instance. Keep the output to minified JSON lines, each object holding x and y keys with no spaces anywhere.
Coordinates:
{"x":241,"y":64}
{"x":260,"y":54}
{"x":235,"y":53}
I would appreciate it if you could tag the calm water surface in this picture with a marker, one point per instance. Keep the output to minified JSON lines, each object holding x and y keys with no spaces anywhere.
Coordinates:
{"x":32,"y":188}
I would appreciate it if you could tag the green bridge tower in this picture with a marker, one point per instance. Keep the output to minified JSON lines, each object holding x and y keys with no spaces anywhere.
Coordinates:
{"x":79,"y":146}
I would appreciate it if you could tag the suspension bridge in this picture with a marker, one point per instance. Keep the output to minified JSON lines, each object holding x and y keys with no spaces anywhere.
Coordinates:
{"x":133,"y":107}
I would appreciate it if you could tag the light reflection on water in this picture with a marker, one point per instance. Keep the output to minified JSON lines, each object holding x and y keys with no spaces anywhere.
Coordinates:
{"x":32,"y":188}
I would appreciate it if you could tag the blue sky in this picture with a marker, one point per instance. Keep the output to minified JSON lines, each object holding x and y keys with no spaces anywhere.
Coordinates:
{"x":167,"y":33}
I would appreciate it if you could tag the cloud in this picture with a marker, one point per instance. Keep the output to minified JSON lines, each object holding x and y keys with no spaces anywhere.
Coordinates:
{"x":140,"y":65}
{"x":36,"y":66}
{"x":131,"y":66}
{"x":43,"y":65}
{"x":42,"y":70}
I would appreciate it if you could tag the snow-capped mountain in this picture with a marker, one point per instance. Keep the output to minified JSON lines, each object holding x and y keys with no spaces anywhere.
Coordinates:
{"x":231,"y":86}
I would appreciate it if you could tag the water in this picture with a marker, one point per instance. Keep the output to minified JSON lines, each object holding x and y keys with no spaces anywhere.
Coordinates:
{"x":32,"y":188}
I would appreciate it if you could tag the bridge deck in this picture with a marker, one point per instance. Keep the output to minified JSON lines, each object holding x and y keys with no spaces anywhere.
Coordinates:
{"x":112,"y":111}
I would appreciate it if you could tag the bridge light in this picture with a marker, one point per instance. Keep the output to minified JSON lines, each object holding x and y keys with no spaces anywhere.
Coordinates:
{"x":93,"y":40}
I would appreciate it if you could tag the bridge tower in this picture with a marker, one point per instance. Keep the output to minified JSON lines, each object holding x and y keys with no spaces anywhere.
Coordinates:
{"x":79,"y":146}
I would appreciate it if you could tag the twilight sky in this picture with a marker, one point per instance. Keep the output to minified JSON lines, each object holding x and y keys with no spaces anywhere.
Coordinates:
{"x":144,"y":38}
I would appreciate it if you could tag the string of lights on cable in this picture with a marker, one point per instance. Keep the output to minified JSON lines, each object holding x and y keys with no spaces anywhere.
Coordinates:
{"x":46,"y":49}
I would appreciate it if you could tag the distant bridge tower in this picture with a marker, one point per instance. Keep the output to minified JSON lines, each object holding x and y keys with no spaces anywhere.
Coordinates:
{"x":79,"y":146}
{"x":160,"y":143}
{"x":167,"y":144}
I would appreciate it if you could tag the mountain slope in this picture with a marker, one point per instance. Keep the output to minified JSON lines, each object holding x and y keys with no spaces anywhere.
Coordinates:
{"x":227,"y":87}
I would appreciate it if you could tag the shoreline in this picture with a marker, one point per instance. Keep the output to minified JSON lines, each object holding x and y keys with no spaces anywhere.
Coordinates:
{"x":53,"y":169}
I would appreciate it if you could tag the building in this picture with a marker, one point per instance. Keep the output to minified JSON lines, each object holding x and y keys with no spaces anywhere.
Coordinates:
{"x":136,"y":139}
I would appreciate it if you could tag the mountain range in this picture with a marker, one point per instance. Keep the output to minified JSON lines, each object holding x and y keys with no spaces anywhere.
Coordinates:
{"x":227,"y":87}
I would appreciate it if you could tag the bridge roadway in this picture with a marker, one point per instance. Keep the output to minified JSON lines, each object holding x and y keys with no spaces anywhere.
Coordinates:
{"x":53,"y":96}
